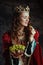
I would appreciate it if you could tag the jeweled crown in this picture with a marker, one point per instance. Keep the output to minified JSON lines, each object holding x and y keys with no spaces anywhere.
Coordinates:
{"x":21,"y":8}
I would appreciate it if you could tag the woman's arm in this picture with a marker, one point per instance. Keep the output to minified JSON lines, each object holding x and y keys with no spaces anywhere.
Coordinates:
{"x":32,"y":41}
{"x":6,"y":42}
{"x":5,"y":45}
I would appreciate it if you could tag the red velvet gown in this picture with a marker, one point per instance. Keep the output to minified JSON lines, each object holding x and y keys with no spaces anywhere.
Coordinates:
{"x":36,"y":58}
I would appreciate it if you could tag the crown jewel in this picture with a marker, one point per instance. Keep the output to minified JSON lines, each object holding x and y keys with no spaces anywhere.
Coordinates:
{"x":20,"y":8}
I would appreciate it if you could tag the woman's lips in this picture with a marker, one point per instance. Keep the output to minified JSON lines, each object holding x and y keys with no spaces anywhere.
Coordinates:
{"x":26,"y":22}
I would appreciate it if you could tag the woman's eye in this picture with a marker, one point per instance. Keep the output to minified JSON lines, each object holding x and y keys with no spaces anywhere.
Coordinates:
{"x":24,"y":17}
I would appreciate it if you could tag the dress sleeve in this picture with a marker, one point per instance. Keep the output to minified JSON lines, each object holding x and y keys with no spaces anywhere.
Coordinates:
{"x":31,"y":47}
{"x":5,"y":48}
{"x":5,"y":41}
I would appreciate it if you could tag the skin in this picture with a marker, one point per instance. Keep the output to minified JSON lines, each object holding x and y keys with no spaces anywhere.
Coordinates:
{"x":24,"y":18}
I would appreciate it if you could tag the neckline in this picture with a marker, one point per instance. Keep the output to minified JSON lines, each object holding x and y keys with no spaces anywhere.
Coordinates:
{"x":15,"y":41}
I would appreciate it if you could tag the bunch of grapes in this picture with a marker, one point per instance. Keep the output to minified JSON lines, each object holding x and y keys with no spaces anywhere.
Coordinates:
{"x":17,"y":47}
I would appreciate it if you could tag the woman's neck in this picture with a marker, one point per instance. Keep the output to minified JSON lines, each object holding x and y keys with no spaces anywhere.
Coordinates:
{"x":21,"y":30}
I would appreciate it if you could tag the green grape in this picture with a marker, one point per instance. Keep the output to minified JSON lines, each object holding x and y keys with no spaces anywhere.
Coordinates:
{"x":14,"y":47}
{"x":23,"y":47}
{"x":20,"y":47}
{"x":11,"y":49}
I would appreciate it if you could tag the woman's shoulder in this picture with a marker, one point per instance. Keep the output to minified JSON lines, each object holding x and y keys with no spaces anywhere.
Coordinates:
{"x":6,"y":37}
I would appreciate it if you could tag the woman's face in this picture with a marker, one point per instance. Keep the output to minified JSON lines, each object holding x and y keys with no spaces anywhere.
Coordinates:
{"x":24,"y":18}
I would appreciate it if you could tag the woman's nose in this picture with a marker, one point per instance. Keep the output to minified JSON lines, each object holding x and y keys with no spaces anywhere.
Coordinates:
{"x":27,"y":19}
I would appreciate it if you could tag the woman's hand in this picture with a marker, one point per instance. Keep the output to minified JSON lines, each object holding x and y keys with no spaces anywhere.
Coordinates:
{"x":16,"y":54}
{"x":32,"y":30}
{"x":32,"y":33}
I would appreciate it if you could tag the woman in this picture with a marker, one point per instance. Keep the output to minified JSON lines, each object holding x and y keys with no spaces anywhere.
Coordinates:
{"x":24,"y":38}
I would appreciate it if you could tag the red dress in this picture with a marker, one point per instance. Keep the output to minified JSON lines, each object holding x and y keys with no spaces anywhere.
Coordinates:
{"x":36,"y":58}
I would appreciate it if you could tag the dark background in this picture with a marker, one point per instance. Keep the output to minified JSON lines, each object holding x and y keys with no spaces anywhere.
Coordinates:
{"x":6,"y":13}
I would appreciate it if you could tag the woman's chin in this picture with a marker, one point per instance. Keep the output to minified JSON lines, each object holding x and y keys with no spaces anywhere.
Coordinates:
{"x":25,"y":25}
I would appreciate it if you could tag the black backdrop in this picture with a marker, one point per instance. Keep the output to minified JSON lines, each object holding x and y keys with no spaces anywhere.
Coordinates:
{"x":6,"y":13}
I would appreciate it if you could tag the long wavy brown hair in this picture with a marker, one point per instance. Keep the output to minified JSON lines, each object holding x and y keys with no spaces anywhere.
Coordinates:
{"x":16,"y":26}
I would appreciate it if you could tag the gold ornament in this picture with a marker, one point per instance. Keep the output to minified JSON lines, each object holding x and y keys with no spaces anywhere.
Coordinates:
{"x":21,"y":8}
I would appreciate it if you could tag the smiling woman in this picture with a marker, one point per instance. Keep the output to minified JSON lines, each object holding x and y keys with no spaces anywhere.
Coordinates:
{"x":21,"y":45}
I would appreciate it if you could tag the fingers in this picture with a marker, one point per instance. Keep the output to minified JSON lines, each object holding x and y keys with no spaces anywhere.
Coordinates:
{"x":12,"y":54}
{"x":32,"y":30}
{"x":15,"y":55}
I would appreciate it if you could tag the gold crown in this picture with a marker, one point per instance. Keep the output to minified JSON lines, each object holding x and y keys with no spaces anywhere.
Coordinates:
{"x":20,"y":8}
